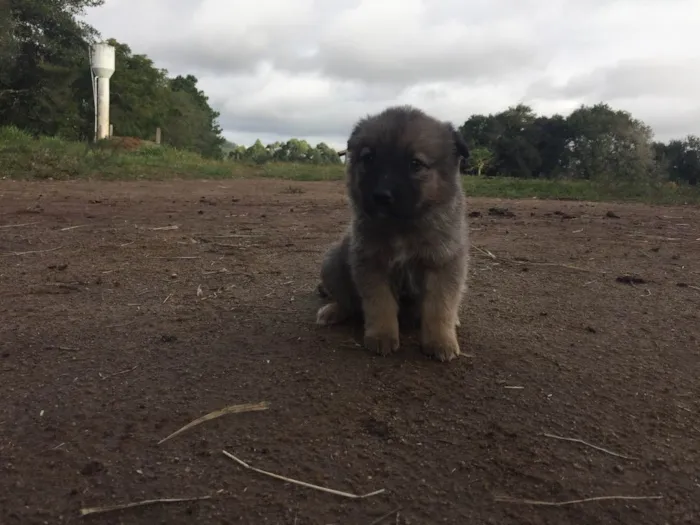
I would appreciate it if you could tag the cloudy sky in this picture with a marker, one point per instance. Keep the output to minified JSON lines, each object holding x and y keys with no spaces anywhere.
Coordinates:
{"x":277,"y":69}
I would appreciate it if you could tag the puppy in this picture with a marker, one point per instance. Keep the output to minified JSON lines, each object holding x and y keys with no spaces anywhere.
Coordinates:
{"x":406,"y":251}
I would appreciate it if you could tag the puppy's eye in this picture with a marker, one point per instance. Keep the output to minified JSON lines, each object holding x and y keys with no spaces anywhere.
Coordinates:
{"x":417,"y":165}
{"x":366,"y":155}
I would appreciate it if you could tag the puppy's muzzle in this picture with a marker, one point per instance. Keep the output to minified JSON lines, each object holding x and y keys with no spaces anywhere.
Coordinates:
{"x":383,"y":199}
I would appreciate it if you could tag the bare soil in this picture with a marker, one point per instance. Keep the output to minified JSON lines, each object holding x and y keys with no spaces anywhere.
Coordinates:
{"x":579,"y":323}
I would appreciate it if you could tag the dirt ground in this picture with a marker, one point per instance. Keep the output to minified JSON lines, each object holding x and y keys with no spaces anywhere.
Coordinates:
{"x":128,"y":310}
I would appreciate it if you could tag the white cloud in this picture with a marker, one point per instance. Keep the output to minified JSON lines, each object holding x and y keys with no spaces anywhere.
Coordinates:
{"x":310,"y":68}
{"x":398,"y":42}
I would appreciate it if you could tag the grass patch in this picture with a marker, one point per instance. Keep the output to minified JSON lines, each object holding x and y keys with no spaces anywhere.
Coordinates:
{"x":509,"y":188}
{"x":52,"y":158}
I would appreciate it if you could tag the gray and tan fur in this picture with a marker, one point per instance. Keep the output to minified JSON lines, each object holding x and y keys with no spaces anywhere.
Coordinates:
{"x":406,"y":252}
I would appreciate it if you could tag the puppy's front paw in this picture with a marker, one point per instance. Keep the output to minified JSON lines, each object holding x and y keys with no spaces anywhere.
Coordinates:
{"x":330,"y":314}
{"x":382,"y":344}
{"x":383,"y":340}
{"x":443,"y":348}
{"x":322,"y":292}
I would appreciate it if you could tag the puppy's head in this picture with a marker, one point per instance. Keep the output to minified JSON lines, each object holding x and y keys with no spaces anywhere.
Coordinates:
{"x":402,"y":162}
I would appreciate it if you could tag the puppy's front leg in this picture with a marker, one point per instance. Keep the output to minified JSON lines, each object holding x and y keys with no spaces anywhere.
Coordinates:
{"x":379,"y":308}
{"x":440,"y":310}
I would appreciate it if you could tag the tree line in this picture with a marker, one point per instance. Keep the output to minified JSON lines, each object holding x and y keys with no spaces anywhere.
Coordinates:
{"x":46,"y":85}
{"x":594,"y":142}
{"x":294,"y":150}
{"x":46,"y":89}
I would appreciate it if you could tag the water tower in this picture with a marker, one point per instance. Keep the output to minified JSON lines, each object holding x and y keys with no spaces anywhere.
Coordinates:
{"x":102,"y":63}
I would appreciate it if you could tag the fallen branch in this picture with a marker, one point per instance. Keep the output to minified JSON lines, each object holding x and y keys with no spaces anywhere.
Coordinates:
{"x":96,"y":510}
{"x":582,"y":442}
{"x":571,"y":502}
{"x":302,"y":483}
{"x":233,"y":409}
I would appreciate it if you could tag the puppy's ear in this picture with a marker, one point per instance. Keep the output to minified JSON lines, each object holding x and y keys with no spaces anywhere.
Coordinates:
{"x":460,"y":144}
{"x":352,"y":140}
{"x":357,"y":130}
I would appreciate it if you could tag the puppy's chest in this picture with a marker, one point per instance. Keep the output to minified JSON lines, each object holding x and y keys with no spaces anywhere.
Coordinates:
{"x":401,"y":251}
{"x":409,"y":250}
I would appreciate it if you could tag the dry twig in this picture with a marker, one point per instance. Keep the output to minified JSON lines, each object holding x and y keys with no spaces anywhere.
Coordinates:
{"x":490,"y":255}
{"x":120,"y":325}
{"x":18,"y":225}
{"x":233,"y":409}
{"x":560,"y":265}
{"x":485,"y":252}
{"x":33,"y":251}
{"x":582,"y":442}
{"x":385,"y":516}
{"x":236,"y":236}
{"x":119,"y":373}
{"x":302,"y":483}
{"x":571,"y":502}
{"x":96,"y":510}
{"x":177,"y":257}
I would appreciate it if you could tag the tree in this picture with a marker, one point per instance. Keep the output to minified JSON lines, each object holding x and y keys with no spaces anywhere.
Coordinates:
{"x":510,"y":138}
{"x":209,"y":136}
{"x":297,"y":150}
{"x":257,"y":153}
{"x":681,"y":159}
{"x":324,"y":154}
{"x":237,"y":153}
{"x":8,"y":43}
{"x":610,"y":145}
{"x":294,"y":150}
{"x":480,"y":158}
{"x":45,"y":67}
{"x":140,"y":100}
{"x":552,"y":136}
{"x":514,"y":148}
{"x":46,"y":86}
{"x":478,"y":130}
{"x":144,"y":98}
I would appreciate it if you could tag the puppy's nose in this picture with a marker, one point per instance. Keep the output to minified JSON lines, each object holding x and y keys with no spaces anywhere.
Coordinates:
{"x":382,"y":198}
